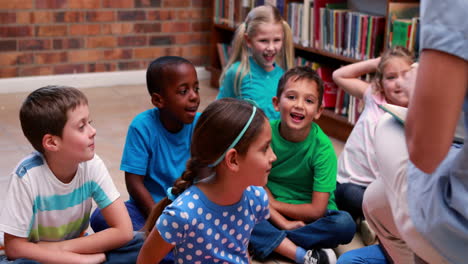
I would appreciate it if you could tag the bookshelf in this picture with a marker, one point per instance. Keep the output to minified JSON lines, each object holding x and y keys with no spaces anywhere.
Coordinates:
{"x":332,"y":124}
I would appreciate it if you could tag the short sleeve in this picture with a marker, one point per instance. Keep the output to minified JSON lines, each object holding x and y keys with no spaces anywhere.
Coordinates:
{"x":173,"y":225}
{"x":226,"y":88}
{"x":325,"y":165}
{"x":105,"y":191}
{"x":136,"y":153}
{"x":260,"y":205}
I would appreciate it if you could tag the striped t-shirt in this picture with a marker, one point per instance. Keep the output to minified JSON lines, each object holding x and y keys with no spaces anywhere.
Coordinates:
{"x":39,"y":207}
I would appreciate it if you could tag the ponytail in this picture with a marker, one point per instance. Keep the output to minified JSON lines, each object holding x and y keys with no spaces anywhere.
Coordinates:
{"x":288,"y":47}
{"x":180,"y":185}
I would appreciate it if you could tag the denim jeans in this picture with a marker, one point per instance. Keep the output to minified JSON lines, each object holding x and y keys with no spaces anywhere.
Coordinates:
{"x":366,"y":255}
{"x":348,"y":197}
{"x":98,"y":223}
{"x":335,"y":228}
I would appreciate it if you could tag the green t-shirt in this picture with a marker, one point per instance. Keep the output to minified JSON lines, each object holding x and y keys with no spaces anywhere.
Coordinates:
{"x":302,"y":167}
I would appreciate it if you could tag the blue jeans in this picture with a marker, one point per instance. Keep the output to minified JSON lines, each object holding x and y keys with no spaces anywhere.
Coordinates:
{"x":335,"y":228}
{"x":98,"y":223}
{"x":366,"y":255}
{"x":348,"y":197}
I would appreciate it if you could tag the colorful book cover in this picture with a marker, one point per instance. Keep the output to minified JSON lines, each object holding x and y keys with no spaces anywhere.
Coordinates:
{"x":317,"y":23}
{"x":399,"y":10}
{"x":329,"y":87}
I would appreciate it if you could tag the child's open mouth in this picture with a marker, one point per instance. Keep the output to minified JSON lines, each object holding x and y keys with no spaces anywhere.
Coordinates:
{"x":269,"y":57}
{"x":297,"y":117}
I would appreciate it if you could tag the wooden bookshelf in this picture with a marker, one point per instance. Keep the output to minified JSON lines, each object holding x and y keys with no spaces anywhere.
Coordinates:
{"x":332,"y":124}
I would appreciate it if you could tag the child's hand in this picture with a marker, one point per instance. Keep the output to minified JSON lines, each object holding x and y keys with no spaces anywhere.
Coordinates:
{"x":408,"y":82}
{"x":93,"y":258}
{"x":290,"y":225}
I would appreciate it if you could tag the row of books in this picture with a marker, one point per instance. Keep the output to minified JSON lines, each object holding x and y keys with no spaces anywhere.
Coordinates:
{"x":233,"y":12}
{"x":403,"y":26}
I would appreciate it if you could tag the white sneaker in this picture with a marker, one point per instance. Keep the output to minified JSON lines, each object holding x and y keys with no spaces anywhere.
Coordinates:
{"x":320,"y":256}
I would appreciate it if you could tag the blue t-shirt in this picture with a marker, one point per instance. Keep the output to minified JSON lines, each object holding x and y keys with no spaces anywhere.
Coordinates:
{"x":258,"y":85}
{"x":152,"y":151}
{"x":204,"y":232}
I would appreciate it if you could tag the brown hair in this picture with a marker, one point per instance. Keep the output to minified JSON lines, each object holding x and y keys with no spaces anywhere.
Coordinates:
{"x":299,"y":73}
{"x":218,"y":126}
{"x":45,"y":110}
{"x":257,"y":16}
{"x":394,"y":52}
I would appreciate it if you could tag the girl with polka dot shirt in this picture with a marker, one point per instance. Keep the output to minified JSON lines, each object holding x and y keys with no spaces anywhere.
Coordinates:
{"x":210,"y":211}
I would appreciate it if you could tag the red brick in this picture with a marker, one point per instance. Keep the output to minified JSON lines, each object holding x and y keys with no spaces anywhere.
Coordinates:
{"x":7,"y":18}
{"x":87,"y":29}
{"x":175,"y":27}
{"x":161,"y":40}
{"x":130,"y":65}
{"x":51,"y":31}
{"x":15,"y":58}
{"x":7,"y":45}
{"x":118,"y":54}
{"x":24,"y":18}
{"x":69,"y":17}
{"x":177,"y":3}
{"x":117,"y":3}
{"x":71,"y":43}
{"x":194,"y":38}
{"x":8,"y":72}
{"x":69,"y":68}
{"x":161,"y":14}
{"x":100,"y":16}
{"x":201,"y":26}
{"x":195,"y":51}
{"x":101,"y":67}
{"x":174,"y":51}
{"x":35,"y":70}
{"x":51,"y":4}
{"x":50,"y":57}
{"x":202,"y":3}
{"x":147,"y":3}
{"x":84,"y":4}
{"x":133,"y":15}
{"x":117,"y":28}
{"x":35,"y":44}
{"x":101,"y":42}
{"x":132,"y":41}
{"x":150,"y":53}
{"x":16,"y":4}
{"x":15,"y":31}
{"x":197,"y":14}
{"x":148,"y":28}
{"x":84,"y":55}
{"x":42,"y":17}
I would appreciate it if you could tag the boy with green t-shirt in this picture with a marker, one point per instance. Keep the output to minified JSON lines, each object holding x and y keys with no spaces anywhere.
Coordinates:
{"x":304,"y":217}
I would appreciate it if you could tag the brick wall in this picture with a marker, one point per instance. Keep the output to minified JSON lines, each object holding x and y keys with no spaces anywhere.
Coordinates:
{"x":42,"y":37}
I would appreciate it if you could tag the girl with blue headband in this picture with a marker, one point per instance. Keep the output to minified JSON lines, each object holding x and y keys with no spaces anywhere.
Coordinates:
{"x":212,"y":208}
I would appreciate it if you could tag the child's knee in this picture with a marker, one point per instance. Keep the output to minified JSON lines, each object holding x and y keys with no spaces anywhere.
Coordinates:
{"x":345,"y":226}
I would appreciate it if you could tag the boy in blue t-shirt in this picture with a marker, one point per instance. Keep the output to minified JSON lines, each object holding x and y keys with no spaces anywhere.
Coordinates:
{"x":304,"y":217}
{"x":158,"y":140}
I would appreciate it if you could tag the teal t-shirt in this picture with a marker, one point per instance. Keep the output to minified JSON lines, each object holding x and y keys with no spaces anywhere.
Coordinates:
{"x":302,"y":167}
{"x":258,"y":85}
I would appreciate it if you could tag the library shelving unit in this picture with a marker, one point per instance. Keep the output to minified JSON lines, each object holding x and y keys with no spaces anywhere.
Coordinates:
{"x":332,"y":124}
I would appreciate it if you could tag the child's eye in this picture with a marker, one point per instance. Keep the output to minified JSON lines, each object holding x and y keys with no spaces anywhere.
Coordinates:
{"x":183,"y":92}
{"x":309,"y":101}
{"x":197,"y":89}
{"x":291,"y":97}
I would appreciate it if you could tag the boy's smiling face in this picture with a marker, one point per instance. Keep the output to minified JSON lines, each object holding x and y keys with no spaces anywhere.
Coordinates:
{"x":299,"y":105}
{"x":179,"y":99}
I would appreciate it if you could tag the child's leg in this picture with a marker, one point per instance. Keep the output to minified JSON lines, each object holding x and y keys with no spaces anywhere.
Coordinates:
{"x":98,"y":223}
{"x":348,"y":198}
{"x":366,"y":255}
{"x":335,"y":228}
{"x":393,"y":158}
{"x":265,"y":238}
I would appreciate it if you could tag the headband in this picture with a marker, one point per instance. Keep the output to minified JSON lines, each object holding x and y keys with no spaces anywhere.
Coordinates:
{"x":234,"y":143}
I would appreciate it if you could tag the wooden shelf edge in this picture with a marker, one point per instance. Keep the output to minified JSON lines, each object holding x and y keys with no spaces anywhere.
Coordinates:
{"x":335,"y":125}
{"x":215,"y":74}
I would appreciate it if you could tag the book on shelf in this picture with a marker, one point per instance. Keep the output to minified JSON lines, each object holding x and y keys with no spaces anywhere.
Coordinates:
{"x":223,"y":53}
{"x":402,"y":25}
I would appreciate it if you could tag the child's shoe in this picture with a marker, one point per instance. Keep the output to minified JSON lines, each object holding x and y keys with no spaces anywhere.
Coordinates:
{"x":367,"y":234}
{"x":320,"y":256}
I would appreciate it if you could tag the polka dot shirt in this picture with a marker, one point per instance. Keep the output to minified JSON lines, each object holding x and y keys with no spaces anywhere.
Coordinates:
{"x":204,"y":232}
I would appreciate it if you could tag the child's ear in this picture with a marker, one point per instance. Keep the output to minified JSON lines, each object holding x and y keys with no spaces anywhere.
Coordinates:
{"x":275,"y":100}
{"x":247,"y":40}
{"x":231,"y":159}
{"x":319,"y":112}
{"x":157,"y":100}
{"x":50,"y":142}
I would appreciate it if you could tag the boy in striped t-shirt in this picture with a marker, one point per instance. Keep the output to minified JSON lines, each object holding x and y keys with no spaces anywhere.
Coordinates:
{"x":47,"y":206}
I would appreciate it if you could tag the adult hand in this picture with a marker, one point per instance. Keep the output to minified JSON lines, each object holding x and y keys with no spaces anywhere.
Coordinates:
{"x":408,"y":81}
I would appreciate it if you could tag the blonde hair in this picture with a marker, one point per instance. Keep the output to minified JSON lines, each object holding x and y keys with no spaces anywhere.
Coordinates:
{"x":391,"y":53}
{"x":257,"y":16}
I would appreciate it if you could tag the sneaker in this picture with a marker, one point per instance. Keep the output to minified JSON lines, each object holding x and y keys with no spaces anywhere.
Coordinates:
{"x":320,"y":256}
{"x":367,"y":234}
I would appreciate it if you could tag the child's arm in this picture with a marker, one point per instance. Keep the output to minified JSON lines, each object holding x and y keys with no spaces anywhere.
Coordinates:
{"x":19,"y":247}
{"x":119,"y":233}
{"x":347,"y":77}
{"x":139,"y":193}
{"x":282,"y":223}
{"x":308,"y":212}
{"x":154,"y":249}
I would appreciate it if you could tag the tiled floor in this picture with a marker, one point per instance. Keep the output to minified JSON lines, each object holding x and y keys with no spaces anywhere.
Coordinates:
{"x":111,"y":108}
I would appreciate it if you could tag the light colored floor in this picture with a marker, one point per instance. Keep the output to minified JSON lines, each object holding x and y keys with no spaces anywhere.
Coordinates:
{"x":112,"y":109}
